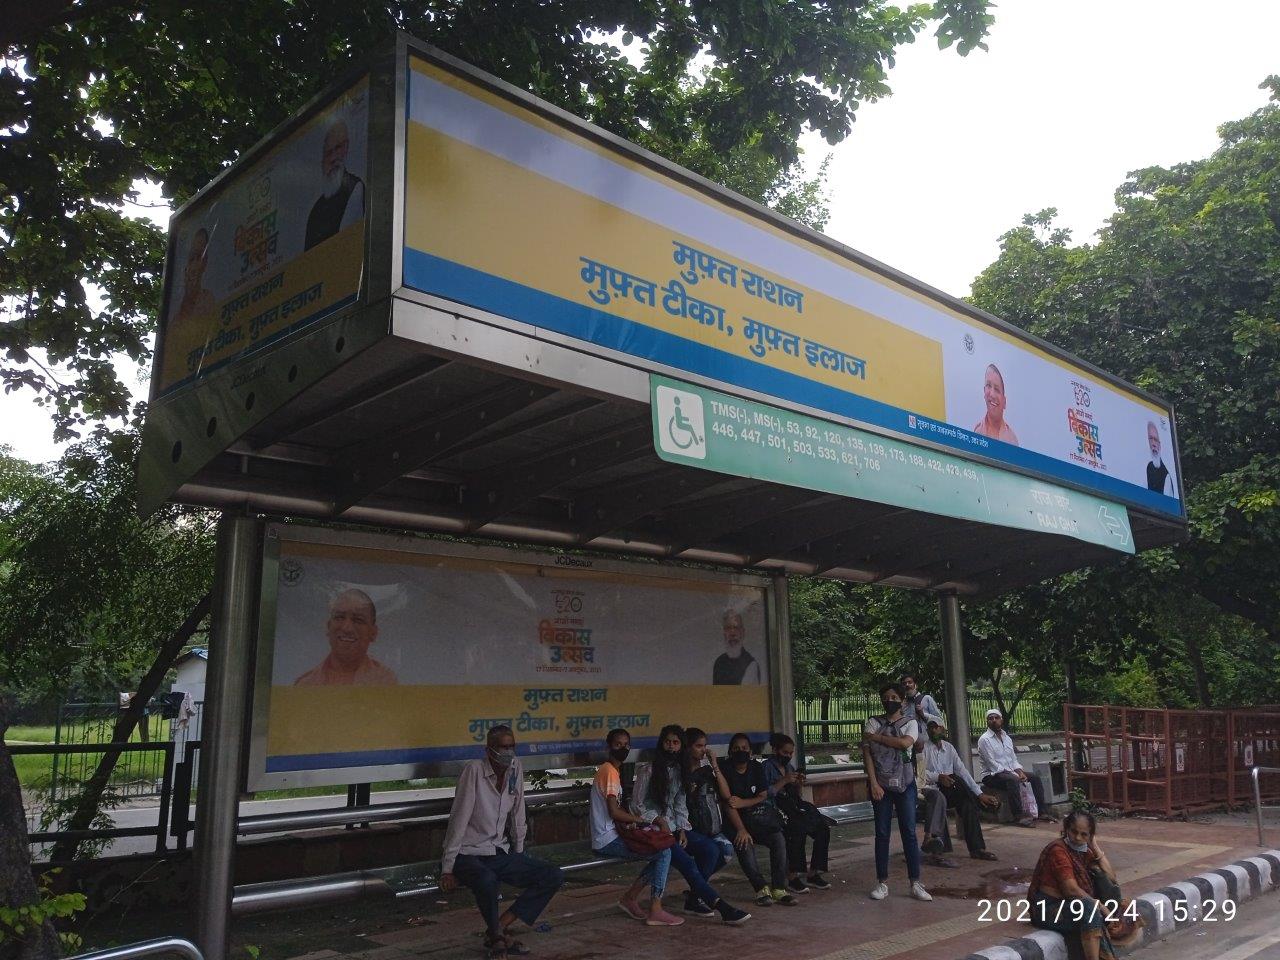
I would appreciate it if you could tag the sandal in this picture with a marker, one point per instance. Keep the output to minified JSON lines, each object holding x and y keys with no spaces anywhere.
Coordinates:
{"x":495,"y":948}
{"x":515,"y":948}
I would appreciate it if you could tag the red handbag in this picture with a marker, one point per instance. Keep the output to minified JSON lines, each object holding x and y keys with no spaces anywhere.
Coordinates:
{"x":645,"y":839}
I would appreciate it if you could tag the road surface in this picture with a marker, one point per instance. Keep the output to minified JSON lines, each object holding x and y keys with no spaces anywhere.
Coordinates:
{"x":1254,"y":934}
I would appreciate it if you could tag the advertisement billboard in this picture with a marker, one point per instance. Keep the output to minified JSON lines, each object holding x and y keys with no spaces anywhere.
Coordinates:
{"x":277,"y":247}
{"x":393,"y":657}
{"x":581,"y":238}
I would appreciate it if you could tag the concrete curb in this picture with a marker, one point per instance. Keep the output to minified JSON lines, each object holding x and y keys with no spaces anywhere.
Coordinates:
{"x":1191,"y":899}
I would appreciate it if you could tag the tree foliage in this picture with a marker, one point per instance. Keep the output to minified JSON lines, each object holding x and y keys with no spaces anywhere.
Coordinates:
{"x":1181,"y":294}
{"x":88,"y":591}
{"x":99,"y":95}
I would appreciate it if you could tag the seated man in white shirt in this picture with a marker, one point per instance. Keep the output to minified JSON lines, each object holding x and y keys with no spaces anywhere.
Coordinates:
{"x":484,"y":845}
{"x":1002,"y":772}
{"x":949,"y":783}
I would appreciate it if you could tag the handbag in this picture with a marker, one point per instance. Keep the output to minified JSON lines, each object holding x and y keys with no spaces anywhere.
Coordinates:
{"x":1029,"y":808}
{"x":763,"y":817}
{"x":645,"y":839}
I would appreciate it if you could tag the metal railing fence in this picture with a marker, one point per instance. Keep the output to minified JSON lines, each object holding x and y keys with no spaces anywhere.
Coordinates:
{"x":1143,"y":760}
{"x":846,"y":714}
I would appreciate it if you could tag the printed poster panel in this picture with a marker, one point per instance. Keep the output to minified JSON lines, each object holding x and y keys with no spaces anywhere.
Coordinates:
{"x":390,"y":658}
{"x":276,"y":249}
{"x":556,"y":230}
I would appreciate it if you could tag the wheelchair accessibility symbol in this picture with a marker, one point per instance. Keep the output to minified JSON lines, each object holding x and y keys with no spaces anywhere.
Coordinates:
{"x":681,"y":423}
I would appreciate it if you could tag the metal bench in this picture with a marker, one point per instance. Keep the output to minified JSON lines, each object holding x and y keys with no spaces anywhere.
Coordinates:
{"x":402,"y":882}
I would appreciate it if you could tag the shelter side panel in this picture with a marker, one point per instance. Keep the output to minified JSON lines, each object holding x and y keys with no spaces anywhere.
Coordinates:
{"x":521,"y":216}
{"x":385,"y":657}
{"x":277,"y":248}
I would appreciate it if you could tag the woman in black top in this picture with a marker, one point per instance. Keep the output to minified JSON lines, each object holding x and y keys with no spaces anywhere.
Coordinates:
{"x":749,"y":796}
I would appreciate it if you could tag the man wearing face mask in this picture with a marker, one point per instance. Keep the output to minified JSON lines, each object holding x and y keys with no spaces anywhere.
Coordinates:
{"x":887,"y":742}
{"x":949,"y":783}
{"x":484,"y":845}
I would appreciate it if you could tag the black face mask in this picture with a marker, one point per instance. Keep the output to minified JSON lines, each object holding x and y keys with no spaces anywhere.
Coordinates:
{"x":670,"y":758}
{"x":739,"y":756}
{"x":620,"y":754}
{"x":891,"y":706}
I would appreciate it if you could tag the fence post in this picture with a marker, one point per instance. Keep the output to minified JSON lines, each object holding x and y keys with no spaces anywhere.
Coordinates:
{"x":1168,"y":765}
{"x":1068,"y":734}
{"x":166,"y":788}
{"x":1106,"y":739}
{"x":1231,"y":759}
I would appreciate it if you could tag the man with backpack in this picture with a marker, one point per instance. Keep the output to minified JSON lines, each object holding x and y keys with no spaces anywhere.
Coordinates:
{"x":887,"y":742}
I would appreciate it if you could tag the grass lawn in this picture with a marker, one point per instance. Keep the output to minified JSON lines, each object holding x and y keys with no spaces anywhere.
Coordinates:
{"x":35,"y":770}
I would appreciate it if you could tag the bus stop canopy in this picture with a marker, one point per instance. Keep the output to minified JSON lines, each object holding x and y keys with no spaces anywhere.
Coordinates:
{"x":476,"y":345}
{"x":417,"y":435}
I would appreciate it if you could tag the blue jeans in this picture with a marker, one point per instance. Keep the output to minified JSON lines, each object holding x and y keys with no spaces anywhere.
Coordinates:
{"x":701,"y":852}
{"x":903,"y":805}
{"x":709,"y":853}
{"x":655,"y":871}
{"x":537,"y":880}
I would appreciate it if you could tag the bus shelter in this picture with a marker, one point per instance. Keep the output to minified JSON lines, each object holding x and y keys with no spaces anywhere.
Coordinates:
{"x":433,"y":304}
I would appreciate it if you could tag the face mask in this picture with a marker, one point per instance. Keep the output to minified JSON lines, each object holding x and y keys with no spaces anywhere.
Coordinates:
{"x":503,"y":758}
{"x":620,"y":754}
{"x":936,"y":737}
{"x":671,"y":757}
{"x":1077,"y":847}
{"x":739,"y":756}
{"x":891,"y":706}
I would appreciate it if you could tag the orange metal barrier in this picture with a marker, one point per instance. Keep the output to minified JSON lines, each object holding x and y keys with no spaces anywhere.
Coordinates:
{"x":1166,"y":762}
{"x":1255,"y":742}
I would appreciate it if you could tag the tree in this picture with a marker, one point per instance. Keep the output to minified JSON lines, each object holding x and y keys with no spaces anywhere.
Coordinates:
{"x":93,"y":598}
{"x":1180,"y":294}
{"x":98,"y":95}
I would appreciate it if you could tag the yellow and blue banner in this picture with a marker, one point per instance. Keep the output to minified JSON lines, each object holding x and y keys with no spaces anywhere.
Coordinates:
{"x":384,"y":657}
{"x":528,"y":218}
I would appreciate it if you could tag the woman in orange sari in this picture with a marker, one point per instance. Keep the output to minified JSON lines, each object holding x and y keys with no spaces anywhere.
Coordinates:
{"x":1063,"y":892}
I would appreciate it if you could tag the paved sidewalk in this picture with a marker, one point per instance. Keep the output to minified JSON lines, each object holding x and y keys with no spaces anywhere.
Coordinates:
{"x":841,"y":924}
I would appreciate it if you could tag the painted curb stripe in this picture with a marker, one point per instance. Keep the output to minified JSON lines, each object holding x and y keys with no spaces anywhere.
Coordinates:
{"x":1254,"y":877}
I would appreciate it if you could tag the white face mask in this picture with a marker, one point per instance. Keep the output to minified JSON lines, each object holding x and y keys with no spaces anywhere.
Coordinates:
{"x":503,"y":758}
{"x":1077,"y":847}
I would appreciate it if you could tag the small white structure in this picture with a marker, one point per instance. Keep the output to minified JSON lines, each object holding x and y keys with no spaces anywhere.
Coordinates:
{"x":191,"y":668}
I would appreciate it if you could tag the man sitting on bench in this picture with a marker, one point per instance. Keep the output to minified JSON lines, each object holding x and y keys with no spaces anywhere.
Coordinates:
{"x":484,"y":845}
{"x":949,"y":783}
{"x":1001,"y":771}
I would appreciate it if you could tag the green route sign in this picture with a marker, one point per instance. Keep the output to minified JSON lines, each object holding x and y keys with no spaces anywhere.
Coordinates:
{"x":704,"y":428}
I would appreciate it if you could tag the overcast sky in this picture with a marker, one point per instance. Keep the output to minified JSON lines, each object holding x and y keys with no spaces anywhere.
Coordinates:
{"x":1072,"y":96}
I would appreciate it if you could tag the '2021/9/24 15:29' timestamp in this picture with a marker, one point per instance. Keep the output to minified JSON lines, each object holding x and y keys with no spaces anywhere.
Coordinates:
{"x":1074,"y":911}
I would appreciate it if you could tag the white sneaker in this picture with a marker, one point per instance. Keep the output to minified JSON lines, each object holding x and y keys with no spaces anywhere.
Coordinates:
{"x":880,"y":892}
{"x":918,"y":891}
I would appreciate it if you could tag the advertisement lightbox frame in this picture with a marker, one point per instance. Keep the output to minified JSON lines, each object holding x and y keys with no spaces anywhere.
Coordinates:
{"x":257,"y":777}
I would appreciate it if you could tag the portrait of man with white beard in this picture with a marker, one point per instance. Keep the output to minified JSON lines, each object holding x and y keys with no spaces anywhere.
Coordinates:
{"x":341,"y":200}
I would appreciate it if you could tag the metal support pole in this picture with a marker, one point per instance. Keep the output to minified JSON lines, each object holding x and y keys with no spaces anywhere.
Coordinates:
{"x":953,"y":676}
{"x":226,"y":703}
{"x":783,"y":697}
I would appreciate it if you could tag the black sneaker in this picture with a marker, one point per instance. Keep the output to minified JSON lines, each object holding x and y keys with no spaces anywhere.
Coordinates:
{"x":817,"y":881}
{"x":732,"y":915}
{"x":764,"y":898}
{"x":932,"y":845}
{"x":695,"y":907}
{"x":796,"y":885}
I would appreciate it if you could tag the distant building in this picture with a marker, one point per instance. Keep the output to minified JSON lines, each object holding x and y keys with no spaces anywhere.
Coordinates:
{"x":190,"y":668}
